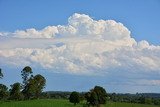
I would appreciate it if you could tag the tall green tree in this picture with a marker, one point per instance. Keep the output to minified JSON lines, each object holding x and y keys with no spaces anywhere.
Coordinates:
{"x":26,"y":73}
{"x":29,"y":89}
{"x":74,"y":97}
{"x":34,"y":87}
{"x":15,"y":92}
{"x":1,"y":74}
{"x":40,"y":83}
{"x":3,"y":92}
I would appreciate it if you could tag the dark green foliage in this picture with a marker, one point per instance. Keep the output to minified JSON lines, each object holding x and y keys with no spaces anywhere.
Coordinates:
{"x":101,"y":94}
{"x":156,"y":101}
{"x":15,"y":92}
{"x":26,"y":72}
{"x":39,"y":83}
{"x":74,"y":97}
{"x":34,"y":87}
{"x":93,"y":98}
{"x":87,"y":96}
{"x":96,"y":96}
{"x":29,"y":89}
{"x":142,"y":100}
{"x":1,"y":74}
{"x":3,"y":92}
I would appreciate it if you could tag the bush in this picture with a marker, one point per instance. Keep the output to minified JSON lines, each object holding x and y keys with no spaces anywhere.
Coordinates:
{"x":74,"y":97}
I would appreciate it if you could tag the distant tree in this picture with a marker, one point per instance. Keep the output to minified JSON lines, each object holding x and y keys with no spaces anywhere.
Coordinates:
{"x":156,"y":101}
{"x":96,"y":96}
{"x":74,"y":97}
{"x":1,"y":74}
{"x":26,"y":72}
{"x":3,"y":92}
{"x":15,"y":92}
{"x":113,"y":97}
{"x":142,"y":100}
{"x":101,"y":94}
{"x":34,"y":87}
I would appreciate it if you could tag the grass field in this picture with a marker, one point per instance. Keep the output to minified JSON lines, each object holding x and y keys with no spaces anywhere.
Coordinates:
{"x":62,"y":103}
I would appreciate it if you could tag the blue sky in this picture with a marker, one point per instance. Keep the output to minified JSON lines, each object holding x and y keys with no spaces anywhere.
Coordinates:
{"x":140,"y":17}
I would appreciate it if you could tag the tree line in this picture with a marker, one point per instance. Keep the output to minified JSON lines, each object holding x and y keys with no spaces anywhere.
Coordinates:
{"x":141,"y":98}
{"x":98,"y":96}
{"x":30,"y":88}
{"x":33,"y":85}
{"x":95,"y":97}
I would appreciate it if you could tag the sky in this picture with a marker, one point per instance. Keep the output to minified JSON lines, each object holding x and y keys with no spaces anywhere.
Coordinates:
{"x":79,"y":44}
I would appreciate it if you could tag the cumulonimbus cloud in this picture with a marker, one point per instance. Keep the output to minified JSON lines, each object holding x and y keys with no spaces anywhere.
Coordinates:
{"x":84,"y":46}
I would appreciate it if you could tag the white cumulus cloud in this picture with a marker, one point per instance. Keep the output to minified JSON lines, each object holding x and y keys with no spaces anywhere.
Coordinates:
{"x":84,"y":46}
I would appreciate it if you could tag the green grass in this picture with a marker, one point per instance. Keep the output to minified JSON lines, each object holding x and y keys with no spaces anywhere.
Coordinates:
{"x":62,"y":103}
{"x":109,"y":104}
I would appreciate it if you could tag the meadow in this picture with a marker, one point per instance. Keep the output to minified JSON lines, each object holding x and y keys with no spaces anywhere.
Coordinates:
{"x":63,"y":103}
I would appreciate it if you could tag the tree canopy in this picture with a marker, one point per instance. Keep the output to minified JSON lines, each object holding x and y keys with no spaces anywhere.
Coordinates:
{"x":96,"y":96}
{"x":34,"y":86}
{"x":15,"y":92}
{"x":3,"y":92}
{"x":26,"y":72}
{"x":74,"y":97}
